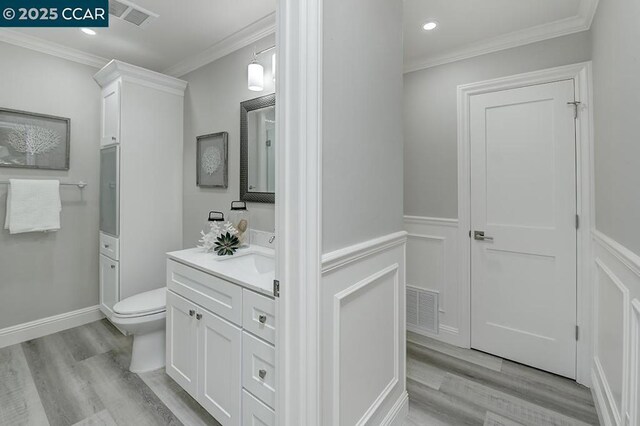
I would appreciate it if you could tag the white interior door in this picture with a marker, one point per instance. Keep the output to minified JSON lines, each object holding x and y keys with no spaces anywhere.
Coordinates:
{"x":523,"y":197}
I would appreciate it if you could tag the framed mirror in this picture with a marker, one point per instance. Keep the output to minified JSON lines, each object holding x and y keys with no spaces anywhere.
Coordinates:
{"x":258,"y":149}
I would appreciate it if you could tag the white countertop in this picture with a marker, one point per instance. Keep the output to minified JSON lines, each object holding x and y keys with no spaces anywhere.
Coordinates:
{"x":223,"y":267}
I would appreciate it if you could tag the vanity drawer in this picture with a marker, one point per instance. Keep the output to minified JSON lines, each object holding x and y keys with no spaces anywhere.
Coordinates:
{"x":258,"y":368}
{"x":255,"y":412}
{"x":258,"y":315}
{"x":109,"y":246}
{"x":210,"y":292}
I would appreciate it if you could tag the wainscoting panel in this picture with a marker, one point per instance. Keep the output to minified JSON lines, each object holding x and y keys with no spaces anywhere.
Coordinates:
{"x":363,"y":333}
{"x":616,"y":332}
{"x":432,"y":264}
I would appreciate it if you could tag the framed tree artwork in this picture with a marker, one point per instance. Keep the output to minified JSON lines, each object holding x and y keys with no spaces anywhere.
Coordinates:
{"x":211,"y":160}
{"x":34,"y":141}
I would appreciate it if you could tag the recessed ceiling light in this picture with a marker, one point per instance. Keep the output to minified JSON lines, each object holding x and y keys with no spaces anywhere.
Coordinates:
{"x":430,"y":26}
{"x":88,"y":31}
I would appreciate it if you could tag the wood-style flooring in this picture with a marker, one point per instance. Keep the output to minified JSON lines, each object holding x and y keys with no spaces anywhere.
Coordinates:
{"x":452,"y":386}
{"x":80,"y":377}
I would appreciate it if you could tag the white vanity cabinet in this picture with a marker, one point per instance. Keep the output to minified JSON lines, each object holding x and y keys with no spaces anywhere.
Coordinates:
{"x":220,"y":348}
{"x":141,"y":134}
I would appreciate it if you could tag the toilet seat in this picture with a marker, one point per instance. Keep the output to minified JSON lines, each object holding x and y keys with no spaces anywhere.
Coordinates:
{"x":142,"y":304}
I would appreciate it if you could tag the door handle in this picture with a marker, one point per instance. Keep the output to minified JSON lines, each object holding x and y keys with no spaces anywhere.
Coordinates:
{"x":479,"y":235}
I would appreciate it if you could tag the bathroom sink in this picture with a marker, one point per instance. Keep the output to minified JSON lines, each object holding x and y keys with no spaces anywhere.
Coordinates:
{"x":259,"y":263}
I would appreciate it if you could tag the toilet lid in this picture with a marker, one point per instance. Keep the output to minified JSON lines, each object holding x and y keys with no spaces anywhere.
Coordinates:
{"x":143,"y":303}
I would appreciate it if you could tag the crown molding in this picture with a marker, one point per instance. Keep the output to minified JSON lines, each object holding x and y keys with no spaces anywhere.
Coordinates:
{"x":117,"y":69}
{"x":51,"y":48}
{"x":250,"y":34}
{"x":580,"y":22}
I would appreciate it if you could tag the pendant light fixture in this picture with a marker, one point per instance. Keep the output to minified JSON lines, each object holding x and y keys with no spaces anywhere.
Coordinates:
{"x":255,"y":75}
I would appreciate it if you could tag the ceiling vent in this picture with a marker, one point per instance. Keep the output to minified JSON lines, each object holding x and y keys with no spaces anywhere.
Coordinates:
{"x":131,"y":12}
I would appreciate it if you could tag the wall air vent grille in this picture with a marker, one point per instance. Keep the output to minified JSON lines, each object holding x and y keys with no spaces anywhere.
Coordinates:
{"x":422,"y":310}
{"x":131,"y":12}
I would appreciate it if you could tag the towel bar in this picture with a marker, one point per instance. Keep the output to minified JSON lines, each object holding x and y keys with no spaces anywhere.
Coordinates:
{"x":80,"y":185}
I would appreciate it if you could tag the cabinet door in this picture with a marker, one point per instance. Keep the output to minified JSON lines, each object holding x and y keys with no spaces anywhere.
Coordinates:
{"x":219,"y":349}
{"x":110,"y":132}
{"x":182,"y":343}
{"x":109,"y":284}
{"x":255,"y":412}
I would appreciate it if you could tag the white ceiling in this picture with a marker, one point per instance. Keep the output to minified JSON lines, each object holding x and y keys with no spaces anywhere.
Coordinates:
{"x":183,"y":29}
{"x":189,"y":34}
{"x":477,"y":26}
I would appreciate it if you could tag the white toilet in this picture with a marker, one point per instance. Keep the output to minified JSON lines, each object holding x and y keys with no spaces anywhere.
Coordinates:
{"x":143,"y":315}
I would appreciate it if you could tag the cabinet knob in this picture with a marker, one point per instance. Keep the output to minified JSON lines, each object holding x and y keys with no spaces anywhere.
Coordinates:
{"x":106,"y":246}
{"x":113,"y":266}
{"x":262,"y":318}
{"x":113,"y":138}
{"x":198,"y":316}
{"x":192,"y":312}
{"x":262,"y":373}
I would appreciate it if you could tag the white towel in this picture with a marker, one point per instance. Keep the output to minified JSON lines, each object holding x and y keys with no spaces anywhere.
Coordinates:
{"x":33,"y":205}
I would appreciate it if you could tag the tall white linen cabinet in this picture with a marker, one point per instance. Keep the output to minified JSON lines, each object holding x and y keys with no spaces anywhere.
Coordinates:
{"x":140,"y":179}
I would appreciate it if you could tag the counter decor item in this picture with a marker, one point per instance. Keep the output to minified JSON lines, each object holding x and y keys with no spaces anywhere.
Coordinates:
{"x":221,"y":237}
{"x":212,"y":160}
{"x":239,"y":217}
{"x":34,"y":141}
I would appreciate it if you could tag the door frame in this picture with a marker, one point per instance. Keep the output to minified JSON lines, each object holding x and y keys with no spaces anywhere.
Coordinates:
{"x":298,"y":210}
{"x":582,"y":75}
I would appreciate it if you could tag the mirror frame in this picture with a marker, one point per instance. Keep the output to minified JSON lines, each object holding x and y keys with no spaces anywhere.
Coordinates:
{"x":245,"y":107}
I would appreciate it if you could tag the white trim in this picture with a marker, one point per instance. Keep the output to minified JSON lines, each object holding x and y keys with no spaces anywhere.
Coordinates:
{"x":634,"y":382}
{"x":597,"y":391}
{"x":138,"y":75}
{"x":50,"y":48}
{"x":45,"y":326}
{"x":344,"y":256}
{"x":581,"y":74}
{"x":580,"y":22}
{"x":337,"y":305}
{"x":298,"y":210}
{"x":250,"y":34}
{"x":398,"y":413}
{"x":434,"y":221}
{"x":623,"y":254}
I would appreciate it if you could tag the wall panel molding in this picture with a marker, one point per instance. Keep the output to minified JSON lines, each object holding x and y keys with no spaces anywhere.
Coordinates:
{"x":615,"y":380}
{"x":362,"y":313}
{"x":432,"y":264}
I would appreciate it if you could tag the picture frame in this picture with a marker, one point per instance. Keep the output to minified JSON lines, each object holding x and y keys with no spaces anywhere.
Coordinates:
{"x":212,"y":160}
{"x":34,"y":141}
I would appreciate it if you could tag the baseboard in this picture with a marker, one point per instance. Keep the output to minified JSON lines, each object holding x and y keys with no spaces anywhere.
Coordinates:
{"x":600,"y":399}
{"x":45,"y":326}
{"x":398,"y":412}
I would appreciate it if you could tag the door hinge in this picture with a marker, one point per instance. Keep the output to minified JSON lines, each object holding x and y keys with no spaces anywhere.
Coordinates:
{"x":276,"y":288}
{"x":575,"y":106}
{"x":577,"y":332}
{"x":577,"y":221}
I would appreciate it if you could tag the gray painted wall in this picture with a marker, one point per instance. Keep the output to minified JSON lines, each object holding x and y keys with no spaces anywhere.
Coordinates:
{"x":211,"y":105}
{"x":362,"y":121}
{"x":430,"y":116}
{"x":48,"y":274}
{"x":616,"y":63}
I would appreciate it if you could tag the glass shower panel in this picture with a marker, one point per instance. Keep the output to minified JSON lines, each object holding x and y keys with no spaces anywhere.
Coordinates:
{"x":109,"y":191}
